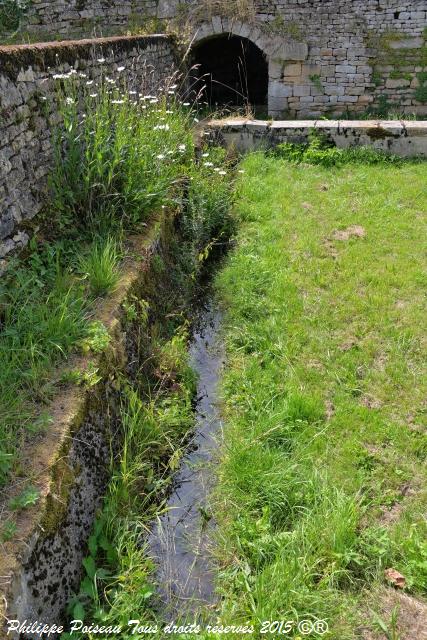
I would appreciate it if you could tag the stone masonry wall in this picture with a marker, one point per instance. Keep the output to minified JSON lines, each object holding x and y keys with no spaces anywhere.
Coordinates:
{"x":28,"y":116}
{"x":325,"y":57}
{"x":56,"y":19}
{"x":333,"y":57}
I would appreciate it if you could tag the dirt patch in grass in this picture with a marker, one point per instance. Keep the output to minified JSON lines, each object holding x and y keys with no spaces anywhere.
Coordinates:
{"x":370,"y":402}
{"x":353,"y":231}
{"x":410,"y":615}
{"x":392,"y":515}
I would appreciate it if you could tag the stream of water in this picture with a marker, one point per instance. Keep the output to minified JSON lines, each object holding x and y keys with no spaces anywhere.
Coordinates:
{"x":179,"y":539}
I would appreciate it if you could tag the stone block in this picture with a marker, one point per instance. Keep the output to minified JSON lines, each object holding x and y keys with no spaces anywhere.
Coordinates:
{"x":345,"y":68}
{"x":6,"y":224}
{"x":279,"y":90}
{"x":293,"y":69}
{"x":275,"y":69}
{"x":407,"y":43}
{"x":301,"y":90}
{"x":397,"y":83}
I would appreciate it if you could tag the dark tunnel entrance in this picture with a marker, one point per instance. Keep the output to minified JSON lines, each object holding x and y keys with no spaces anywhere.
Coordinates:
{"x":234,"y":70}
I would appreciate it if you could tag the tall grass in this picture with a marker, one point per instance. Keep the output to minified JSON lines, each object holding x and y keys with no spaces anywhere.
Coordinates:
{"x":121,"y":156}
{"x":43,"y":316}
{"x":100,"y":266}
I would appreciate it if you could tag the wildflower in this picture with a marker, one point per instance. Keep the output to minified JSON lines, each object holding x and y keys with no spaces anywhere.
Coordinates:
{"x":196,"y":120}
{"x":171,"y":93}
{"x":89,"y":83}
{"x":161,"y":127}
{"x":208,"y":164}
{"x":132,"y":93}
{"x":83,"y":75}
{"x":120,"y":69}
{"x":110,"y":80}
{"x":154,"y":101}
{"x":241,"y":171}
{"x":205,"y":155}
{"x":222,"y":173}
{"x":61,"y":76}
{"x":173,"y":86}
{"x":117,"y":101}
{"x":93,"y":95}
{"x":186,"y":104}
{"x":69,"y":100}
{"x":160,"y":156}
{"x":217,"y":169}
{"x":101,"y":60}
{"x":182,"y":147}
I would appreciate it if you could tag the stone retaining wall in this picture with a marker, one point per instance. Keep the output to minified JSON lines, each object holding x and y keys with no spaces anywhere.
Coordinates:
{"x":403,"y":138}
{"x":28,"y":114}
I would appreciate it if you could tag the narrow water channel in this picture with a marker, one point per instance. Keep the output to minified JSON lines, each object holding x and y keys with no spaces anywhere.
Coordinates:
{"x":179,"y":540}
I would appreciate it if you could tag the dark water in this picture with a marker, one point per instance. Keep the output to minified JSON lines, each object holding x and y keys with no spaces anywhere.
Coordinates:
{"x":179,"y":540}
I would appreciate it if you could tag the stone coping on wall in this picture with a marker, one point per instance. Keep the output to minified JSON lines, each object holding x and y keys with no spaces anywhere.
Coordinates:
{"x":406,"y":138}
{"x":52,"y":54}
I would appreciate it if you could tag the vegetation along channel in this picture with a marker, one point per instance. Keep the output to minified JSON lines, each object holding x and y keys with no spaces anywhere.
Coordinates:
{"x":213,"y":383}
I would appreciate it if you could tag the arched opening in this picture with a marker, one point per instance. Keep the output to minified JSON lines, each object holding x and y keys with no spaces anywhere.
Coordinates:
{"x":234,"y":70}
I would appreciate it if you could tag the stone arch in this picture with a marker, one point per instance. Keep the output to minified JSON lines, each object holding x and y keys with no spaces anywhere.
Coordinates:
{"x":232,"y":71}
{"x":278,"y":50}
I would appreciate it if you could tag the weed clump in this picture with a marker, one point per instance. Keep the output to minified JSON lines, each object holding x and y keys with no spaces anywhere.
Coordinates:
{"x":319,"y":151}
{"x":100,"y":266}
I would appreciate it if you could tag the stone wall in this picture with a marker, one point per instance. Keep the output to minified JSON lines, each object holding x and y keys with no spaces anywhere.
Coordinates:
{"x":56,"y":19}
{"x":325,"y":57}
{"x":28,"y":115}
{"x":402,"y":138}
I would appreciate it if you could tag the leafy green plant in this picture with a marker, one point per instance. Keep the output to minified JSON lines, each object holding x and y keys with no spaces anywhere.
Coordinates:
{"x":420,"y":93}
{"x":317,"y":81}
{"x":318,"y":151}
{"x":8,"y":530}
{"x":27,"y":498}
{"x":89,"y":377}
{"x":97,"y":338}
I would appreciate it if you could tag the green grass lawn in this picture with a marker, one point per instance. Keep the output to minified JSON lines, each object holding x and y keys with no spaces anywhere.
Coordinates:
{"x":322,"y":473}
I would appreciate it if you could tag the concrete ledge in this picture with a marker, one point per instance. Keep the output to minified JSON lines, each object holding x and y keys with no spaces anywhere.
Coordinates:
{"x":406,"y":138}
